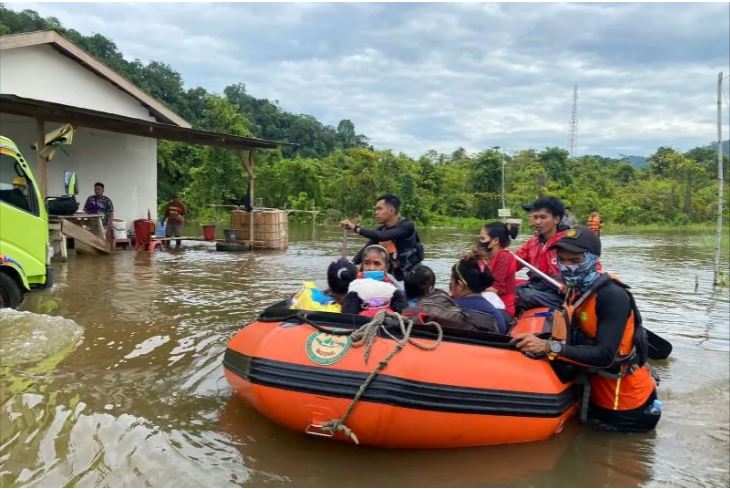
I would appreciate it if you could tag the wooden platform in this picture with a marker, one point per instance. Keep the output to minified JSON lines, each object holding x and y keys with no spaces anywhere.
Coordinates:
{"x":86,"y":230}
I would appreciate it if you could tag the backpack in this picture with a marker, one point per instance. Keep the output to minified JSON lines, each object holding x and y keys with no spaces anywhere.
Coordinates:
{"x":62,"y":206}
{"x":441,"y":308}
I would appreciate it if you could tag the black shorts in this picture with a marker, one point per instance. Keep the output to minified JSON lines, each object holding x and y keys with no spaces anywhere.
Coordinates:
{"x":641,"y":419}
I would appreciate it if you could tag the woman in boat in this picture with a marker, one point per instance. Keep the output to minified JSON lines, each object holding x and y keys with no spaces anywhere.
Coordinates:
{"x":469,"y":278}
{"x":609,"y":340}
{"x":374,"y":289}
{"x":494,"y":240}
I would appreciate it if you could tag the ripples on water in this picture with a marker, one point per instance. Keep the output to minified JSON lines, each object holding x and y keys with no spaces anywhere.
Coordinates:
{"x":120,"y":382}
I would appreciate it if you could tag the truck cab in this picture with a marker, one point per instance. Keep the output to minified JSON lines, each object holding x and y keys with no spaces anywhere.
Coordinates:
{"x":25,"y":253}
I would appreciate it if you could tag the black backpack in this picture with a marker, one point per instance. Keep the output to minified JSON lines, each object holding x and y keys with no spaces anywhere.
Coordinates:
{"x":62,"y":206}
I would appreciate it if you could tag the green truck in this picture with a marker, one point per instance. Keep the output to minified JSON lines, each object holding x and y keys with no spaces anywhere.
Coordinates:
{"x":25,"y":252}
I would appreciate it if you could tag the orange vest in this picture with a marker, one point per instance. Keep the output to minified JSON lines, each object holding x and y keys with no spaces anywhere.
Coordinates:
{"x":634,"y":384}
{"x":594,"y":224}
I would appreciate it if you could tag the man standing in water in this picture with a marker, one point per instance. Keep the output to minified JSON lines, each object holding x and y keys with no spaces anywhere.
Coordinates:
{"x":397,"y":235}
{"x":608,"y":339}
{"x":594,"y":222}
{"x":175,"y":211}
{"x":569,"y":219}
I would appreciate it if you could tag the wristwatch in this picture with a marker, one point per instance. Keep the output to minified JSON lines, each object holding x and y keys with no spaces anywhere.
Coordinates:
{"x":556,"y":348}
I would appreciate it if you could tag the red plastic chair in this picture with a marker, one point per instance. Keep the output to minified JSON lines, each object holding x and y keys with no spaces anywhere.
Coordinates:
{"x":144,"y":236}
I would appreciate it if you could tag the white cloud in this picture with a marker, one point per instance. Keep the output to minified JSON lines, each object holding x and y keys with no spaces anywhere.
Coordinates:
{"x":419,"y":76}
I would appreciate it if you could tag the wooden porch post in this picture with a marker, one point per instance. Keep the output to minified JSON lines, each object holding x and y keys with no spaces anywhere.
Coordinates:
{"x":42,"y":161}
{"x":250,"y":167}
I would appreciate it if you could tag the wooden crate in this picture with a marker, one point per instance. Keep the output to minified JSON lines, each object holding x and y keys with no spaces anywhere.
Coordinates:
{"x":271,"y":227}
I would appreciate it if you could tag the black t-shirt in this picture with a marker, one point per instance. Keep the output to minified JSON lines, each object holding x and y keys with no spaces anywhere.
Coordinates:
{"x":402,"y":235}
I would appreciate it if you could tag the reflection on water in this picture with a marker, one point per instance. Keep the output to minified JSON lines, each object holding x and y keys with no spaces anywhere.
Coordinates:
{"x":114,"y":378}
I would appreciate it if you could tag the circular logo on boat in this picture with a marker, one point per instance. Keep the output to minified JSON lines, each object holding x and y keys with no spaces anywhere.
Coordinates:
{"x":326,"y":349}
{"x":583,"y":316}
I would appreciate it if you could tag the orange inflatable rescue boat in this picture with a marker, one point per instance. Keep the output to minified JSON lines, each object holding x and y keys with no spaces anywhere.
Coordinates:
{"x":302,"y":370}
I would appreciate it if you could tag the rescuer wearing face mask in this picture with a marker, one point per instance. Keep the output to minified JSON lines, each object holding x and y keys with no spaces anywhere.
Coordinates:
{"x":605,"y":336}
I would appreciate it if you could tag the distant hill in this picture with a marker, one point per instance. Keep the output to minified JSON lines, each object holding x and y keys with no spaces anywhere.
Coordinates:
{"x":725,"y":146}
{"x":643,"y":161}
{"x":637,"y":161}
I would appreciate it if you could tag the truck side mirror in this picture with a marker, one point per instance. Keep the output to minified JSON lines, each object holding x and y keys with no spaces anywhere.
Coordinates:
{"x":69,"y":180}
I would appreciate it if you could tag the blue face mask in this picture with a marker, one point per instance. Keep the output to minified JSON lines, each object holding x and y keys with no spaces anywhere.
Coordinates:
{"x":582,"y":275}
{"x":374,"y":274}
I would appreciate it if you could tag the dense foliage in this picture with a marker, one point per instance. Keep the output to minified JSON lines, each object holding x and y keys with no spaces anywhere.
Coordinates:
{"x":335,"y":169}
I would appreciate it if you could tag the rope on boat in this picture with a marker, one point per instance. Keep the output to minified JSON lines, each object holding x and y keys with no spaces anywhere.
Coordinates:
{"x":366,"y":335}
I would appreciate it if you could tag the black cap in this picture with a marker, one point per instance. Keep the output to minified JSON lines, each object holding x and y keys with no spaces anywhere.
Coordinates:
{"x":551,"y":204}
{"x":579,"y":240}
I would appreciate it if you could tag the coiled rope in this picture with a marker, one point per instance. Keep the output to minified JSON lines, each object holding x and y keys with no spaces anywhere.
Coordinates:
{"x":366,"y":335}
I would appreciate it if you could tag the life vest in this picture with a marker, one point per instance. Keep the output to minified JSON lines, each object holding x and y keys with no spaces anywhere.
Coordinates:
{"x":594,"y":224}
{"x":627,"y":382}
{"x":408,"y":255}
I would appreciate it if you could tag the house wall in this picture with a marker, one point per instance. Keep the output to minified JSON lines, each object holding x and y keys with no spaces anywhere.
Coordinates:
{"x":43,"y":73}
{"x":127,"y":165}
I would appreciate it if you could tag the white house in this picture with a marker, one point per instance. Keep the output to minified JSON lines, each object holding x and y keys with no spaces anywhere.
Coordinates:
{"x":46,"y":67}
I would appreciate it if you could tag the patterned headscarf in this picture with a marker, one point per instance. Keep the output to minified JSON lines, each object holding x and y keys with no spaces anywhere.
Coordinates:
{"x":583,"y":275}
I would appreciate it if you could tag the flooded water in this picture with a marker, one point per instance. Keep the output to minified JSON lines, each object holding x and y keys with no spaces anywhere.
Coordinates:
{"x":114,"y":378}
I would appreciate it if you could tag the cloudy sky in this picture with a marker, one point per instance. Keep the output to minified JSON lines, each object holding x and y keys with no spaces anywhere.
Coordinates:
{"x":414,"y":77}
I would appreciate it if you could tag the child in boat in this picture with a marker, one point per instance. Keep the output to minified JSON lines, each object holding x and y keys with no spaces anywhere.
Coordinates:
{"x":419,"y":282}
{"x":374,"y":289}
{"x":494,"y":240}
{"x":469,"y":278}
{"x":340,"y":274}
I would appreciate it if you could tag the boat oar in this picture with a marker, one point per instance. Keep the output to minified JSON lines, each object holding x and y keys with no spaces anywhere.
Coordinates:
{"x":540,"y":273}
{"x":659,"y":348}
{"x":344,"y":244}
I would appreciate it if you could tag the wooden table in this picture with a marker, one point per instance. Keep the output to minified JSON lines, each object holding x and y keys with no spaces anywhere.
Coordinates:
{"x":85,"y":228}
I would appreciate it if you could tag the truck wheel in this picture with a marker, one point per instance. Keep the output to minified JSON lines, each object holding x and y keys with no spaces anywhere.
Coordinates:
{"x":10,"y":293}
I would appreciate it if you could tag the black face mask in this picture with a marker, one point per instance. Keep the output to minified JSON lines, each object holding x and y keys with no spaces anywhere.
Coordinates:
{"x":485,"y":246}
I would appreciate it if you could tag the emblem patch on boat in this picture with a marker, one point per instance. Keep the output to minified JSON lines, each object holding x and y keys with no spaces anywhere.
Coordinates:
{"x":326,"y":349}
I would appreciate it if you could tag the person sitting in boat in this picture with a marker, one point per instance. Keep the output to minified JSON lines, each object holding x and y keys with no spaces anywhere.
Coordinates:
{"x":494,"y":239}
{"x":470,"y":277}
{"x":397,"y":235}
{"x":419,"y":283}
{"x":340,"y":274}
{"x":374,"y":289}
{"x":608,"y":338}
{"x":545,"y":216}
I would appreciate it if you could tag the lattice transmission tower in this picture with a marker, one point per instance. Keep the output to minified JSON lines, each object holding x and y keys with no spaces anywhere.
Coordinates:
{"x":574,"y":123}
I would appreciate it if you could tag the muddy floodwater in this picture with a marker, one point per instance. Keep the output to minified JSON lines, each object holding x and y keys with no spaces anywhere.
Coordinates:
{"x":114,"y":378}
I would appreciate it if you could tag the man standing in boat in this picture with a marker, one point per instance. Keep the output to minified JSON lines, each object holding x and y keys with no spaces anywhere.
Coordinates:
{"x":606,"y":336}
{"x":395,"y":234}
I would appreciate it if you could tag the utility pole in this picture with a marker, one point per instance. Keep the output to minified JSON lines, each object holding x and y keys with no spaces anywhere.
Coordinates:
{"x":720,"y":178}
{"x":503,"y":202}
{"x":573,"y":123}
